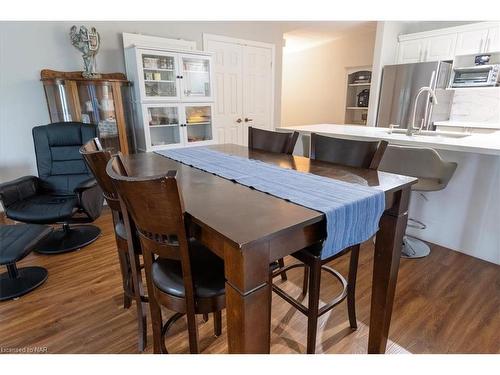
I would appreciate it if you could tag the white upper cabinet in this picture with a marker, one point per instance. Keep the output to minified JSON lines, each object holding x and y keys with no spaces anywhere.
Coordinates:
{"x":493,"y":43}
{"x":471,"y":42}
{"x":445,"y":44}
{"x":440,"y":47}
{"x":411,"y":51}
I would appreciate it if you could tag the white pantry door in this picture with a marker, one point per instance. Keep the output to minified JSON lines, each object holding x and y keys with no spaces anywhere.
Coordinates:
{"x":228,"y":66}
{"x":257,"y":89}
{"x":243,"y":87}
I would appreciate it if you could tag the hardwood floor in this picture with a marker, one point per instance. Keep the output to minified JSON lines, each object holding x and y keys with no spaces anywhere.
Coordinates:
{"x":445,"y":303}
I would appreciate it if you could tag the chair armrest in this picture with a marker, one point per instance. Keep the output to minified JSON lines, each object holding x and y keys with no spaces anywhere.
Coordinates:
{"x":90,"y":198}
{"x":18,"y":189}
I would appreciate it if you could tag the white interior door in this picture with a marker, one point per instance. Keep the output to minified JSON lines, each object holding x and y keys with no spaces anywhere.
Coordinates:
{"x":243,"y":83}
{"x":257,"y":89}
{"x":228,"y":65}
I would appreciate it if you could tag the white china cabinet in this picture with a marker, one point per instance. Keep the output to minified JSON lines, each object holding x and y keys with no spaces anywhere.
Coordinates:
{"x":174,"y":97}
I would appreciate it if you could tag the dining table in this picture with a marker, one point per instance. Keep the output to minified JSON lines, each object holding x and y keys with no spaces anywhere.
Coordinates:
{"x":250,"y":229}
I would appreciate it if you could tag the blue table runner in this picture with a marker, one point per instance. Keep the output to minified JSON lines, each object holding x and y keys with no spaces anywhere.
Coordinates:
{"x":352,"y":211}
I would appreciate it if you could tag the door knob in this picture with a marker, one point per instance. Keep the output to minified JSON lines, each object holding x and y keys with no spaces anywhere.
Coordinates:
{"x":248,"y":119}
{"x":239,"y":121}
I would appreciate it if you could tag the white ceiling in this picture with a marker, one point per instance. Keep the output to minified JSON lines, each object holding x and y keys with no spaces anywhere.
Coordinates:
{"x":304,"y":35}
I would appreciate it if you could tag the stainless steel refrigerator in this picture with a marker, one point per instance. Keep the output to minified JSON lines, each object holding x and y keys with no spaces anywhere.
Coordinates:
{"x":400,"y":84}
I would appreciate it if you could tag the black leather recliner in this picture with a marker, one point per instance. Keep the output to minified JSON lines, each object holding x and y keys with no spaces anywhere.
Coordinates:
{"x":65,"y":190}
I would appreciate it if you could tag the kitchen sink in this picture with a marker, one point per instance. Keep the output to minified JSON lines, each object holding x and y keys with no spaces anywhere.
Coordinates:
{"x":431,"y":133}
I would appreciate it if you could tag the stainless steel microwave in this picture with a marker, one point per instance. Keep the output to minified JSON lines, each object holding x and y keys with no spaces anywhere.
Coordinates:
{"x":475,"y":76}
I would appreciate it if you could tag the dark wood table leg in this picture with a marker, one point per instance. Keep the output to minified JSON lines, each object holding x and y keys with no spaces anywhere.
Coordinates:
{"x":385,"y":270}
{"x":248,"y":299}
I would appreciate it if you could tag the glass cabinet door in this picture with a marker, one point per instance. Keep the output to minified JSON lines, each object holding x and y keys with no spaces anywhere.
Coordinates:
{"x":61,"y":109}
{"x":198,"y":123}
{"x":159,"y":76}
{"x":195,"y":77}
{"x":97,"y":106}
{"x":163,"y":122}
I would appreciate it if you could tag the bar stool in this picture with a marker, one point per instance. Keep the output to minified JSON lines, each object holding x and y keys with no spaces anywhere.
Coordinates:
{"x":349,"y":153}
{"x":433,"y":174}
{"x":129,"y":254}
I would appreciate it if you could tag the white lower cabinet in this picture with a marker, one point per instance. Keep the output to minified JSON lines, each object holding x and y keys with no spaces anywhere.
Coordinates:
{"x":177,"y":125}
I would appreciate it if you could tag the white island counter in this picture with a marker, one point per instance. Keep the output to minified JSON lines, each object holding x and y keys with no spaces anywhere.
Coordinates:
{"x":488,"y":144}
{"x":466,"y":215}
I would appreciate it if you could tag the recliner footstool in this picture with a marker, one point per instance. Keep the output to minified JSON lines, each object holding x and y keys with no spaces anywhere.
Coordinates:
{"x":16,"y":242}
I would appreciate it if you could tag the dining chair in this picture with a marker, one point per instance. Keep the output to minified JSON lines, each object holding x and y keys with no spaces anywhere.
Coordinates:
{"x":266,"y":140}
{"x":278,"y":142}
{"x":128,"y":256}
{"x":352,"y":153}
{"x":182,"y":275}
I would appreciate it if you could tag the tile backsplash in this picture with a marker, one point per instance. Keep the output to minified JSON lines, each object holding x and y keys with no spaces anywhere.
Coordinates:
{"x":476,"y":105}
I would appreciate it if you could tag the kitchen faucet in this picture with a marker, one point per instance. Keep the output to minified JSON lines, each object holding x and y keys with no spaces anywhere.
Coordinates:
{"x":413,"y":129}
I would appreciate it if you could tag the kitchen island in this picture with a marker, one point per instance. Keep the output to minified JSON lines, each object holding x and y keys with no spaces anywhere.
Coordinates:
{"x":466,"y":215}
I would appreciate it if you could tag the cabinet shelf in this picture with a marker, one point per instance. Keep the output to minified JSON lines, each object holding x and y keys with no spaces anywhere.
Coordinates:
{"x":368,"y":84}
{"x":157,"y":80}
{"x":358,"y":108}
{"x":164,"y":126}
{"x":199,"y":123}
{"x":159,"y":69}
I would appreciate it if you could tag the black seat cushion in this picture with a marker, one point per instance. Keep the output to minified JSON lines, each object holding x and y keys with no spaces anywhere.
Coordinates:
{"x":17,"y":241}
{"x":207,"y":270}
{"x":120,"y":230}
{"x":43,"y":209}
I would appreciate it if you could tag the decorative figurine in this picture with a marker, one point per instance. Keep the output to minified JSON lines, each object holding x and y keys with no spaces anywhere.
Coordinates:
{"x":86,"y":41}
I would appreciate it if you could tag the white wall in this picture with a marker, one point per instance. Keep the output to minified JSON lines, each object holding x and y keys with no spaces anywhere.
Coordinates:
{"x":314,"y":79}
{"x":28,"y":47}
{"x":386,"y":44}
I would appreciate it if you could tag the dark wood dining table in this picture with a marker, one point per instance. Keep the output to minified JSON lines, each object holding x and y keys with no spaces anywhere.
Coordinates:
{"x":250,"y":229}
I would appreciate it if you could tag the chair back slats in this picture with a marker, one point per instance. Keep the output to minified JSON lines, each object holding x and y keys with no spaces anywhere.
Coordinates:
{"x":97,"y":160}
{"x":164,"y":247}
{"x":283,"y":143}
{"x":351,"y":153}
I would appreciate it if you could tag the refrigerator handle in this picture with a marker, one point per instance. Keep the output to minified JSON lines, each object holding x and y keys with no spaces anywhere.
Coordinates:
{"x":428,"y":103}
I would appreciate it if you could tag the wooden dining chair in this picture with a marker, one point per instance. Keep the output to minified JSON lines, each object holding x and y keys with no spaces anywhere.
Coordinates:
{"x":128,"y":256}
{"x":182,"y":275}
{"x":352,"y":153}
{"x":266,"y":140}
{"x":282,"y":143}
